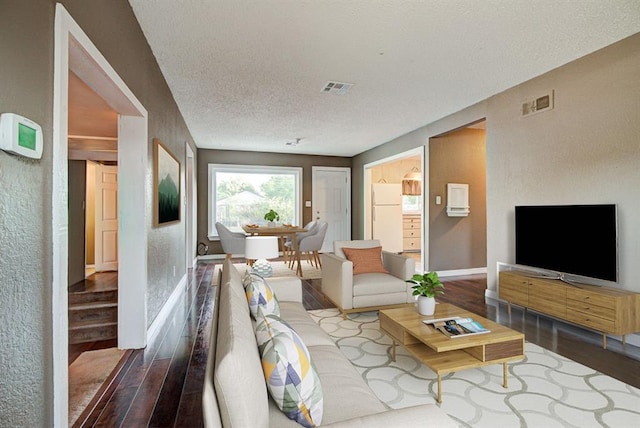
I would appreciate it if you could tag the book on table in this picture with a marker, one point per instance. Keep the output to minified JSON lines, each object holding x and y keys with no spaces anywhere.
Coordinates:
{"x":457,"y":327}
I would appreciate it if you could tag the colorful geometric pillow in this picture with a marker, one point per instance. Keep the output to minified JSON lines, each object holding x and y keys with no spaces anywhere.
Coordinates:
{"x":365,"y":260}
{"x":291,"y":377}
{"x":259,"y":294}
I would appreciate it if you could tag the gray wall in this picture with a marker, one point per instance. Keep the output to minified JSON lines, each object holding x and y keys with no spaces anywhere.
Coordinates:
{"x":585,"y":150}
{"x":457,"y":242}
{"x":77,"y":191}
{"x":205,"y":157}
{"x":26,"y":70}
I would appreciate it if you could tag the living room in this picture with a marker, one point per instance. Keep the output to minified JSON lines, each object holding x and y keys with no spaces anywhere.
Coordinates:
{"x":584,"y":150}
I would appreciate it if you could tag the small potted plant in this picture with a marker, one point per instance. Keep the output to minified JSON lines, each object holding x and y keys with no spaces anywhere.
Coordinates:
{"x":426,"y":286}
{"x":271,"y":218}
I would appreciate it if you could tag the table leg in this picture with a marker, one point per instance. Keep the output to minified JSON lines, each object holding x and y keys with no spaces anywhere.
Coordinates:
{"x":393,"y":350}
{"x":504,"y":375}
{"x":439,"y":389}
{"x":294,"y":241}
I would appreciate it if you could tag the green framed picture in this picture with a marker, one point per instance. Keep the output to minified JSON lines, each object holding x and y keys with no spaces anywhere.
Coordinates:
{"x":166,"y":185}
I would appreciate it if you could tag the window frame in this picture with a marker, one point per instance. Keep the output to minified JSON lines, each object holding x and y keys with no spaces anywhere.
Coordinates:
{"x":214,"y":168}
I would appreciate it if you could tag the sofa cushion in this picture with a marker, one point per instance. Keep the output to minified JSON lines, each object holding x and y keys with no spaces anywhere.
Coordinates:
{"x":238,"y":377}
{"x":365,"y":260}
{"x":308,"y":330}
{"x":288,"y":369}
{"x":260,"y":295}
{"x":346,"y":394}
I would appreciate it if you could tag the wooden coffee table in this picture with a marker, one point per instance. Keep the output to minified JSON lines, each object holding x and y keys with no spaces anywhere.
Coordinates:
{"x":443,"y":354}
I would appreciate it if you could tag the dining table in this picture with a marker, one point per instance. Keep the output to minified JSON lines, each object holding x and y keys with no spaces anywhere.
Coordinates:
{"x":281,"y":231}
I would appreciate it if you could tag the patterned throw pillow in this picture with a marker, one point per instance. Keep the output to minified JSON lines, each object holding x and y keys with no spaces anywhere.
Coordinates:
{"x":259,"y":294}
{"x":365,"y":260}
{"x":291,"y":377}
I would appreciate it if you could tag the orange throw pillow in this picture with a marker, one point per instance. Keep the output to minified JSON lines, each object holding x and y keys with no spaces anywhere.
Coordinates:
{"x":365,"y":260}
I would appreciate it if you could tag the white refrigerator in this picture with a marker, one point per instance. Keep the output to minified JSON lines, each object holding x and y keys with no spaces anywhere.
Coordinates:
{"x":387,"y":216}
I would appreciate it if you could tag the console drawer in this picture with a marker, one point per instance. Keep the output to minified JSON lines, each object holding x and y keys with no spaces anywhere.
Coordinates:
{"x":590,"y":297}
{"x":591,"y":321}
{"x":589,"y":308}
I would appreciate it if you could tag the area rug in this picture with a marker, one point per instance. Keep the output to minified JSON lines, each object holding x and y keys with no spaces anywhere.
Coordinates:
{"x":545,"y":389}
{"x":282,"y":269}
{"x":87,"y":374}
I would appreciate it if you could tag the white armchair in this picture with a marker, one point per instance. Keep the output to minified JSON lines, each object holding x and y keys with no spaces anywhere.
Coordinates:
{"x":366,"y":291}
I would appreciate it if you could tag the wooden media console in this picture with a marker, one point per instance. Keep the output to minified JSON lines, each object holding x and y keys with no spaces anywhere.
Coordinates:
{"x":604,"y":309}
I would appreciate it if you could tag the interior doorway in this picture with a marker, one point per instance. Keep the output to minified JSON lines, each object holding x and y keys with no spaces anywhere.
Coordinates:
{"x":405,"y":171}
{"x":75,"y":54}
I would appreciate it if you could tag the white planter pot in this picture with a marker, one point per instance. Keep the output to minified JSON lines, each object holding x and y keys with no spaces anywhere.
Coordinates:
{"x":426,"y":305}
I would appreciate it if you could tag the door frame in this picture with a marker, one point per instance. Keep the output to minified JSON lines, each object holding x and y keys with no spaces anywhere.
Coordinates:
{"x":367,"y":211}
{"x":347,"y":173}
{"x":74,"y":51}
{"x":191,"y":210}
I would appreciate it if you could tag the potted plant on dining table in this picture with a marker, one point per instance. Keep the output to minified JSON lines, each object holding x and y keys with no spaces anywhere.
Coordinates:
{"x":271,"y":216}
{"x":426,"y":286}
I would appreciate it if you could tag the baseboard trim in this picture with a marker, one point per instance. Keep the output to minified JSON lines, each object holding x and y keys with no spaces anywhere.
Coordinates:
{"x":492,"y":296}
{"x":212,"y":257}
{"x":166,"y":310}
{"x":461,"y":272}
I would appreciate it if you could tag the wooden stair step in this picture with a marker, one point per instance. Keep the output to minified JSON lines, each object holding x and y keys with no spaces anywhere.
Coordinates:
{"x":93,"y":296}
{"x":93,"y":332}
{"x":92,"y":305}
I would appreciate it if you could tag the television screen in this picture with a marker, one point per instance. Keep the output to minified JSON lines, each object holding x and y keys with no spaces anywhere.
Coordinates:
{"x":572,"y":239}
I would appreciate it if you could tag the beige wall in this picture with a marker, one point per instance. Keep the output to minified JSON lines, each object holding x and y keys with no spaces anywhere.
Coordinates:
{"x":394,"y":171}
{"x":205,"y":157}
{"x":26,"y":261}
{"x":457,"y":242}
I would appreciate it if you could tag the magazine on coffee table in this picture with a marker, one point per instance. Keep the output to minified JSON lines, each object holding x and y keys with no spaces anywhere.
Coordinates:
{"x":457,"y":327}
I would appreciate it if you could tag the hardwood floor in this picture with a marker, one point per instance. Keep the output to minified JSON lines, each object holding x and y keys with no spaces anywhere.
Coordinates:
{"x":161,"y":385}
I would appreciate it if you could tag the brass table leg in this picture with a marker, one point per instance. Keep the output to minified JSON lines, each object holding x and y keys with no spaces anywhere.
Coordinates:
{"x":439,"y":389}
{"x":504,"y":375}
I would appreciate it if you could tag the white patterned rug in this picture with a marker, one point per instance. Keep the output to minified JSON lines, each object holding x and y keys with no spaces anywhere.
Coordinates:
{"x":282,"y":269}
{"x":545,"y":389}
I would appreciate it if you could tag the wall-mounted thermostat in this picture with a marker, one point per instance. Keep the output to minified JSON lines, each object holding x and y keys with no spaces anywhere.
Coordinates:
{"x":20,"y":135}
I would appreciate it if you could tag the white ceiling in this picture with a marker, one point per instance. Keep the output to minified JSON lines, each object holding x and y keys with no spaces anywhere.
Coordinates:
{"x":247,"y":75}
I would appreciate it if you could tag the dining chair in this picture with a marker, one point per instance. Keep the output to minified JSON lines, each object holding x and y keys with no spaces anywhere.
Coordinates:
{"x":287,"y":248}
{"x":232,"y":242}
{"x":311,"y":244}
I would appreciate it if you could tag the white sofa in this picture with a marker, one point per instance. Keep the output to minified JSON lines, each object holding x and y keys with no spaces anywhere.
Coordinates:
{"x":235,"y":393}
{"x":366,"y":291}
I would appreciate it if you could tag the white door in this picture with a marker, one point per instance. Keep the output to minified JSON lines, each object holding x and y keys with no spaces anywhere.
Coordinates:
{"x":331,"y":202}
{"x":106,"y":236}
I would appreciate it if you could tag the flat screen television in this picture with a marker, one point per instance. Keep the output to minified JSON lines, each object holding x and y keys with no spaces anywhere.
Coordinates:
{"x":573,"y":239}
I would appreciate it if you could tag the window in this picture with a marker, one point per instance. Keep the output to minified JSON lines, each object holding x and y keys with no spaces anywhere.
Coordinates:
{"x":242,"y":194}
{"x":411,"y":204}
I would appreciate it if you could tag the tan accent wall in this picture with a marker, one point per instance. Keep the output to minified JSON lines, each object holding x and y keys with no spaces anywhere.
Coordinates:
{"x":457,"y":242}
{"x":394,"y":171}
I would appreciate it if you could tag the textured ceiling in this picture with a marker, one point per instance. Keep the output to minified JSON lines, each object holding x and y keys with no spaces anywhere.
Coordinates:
{"x":247,"y":75}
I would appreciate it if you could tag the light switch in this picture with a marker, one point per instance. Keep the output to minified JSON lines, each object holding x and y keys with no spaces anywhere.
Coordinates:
{"x":438,"y":200}
{"x":307,"y":204}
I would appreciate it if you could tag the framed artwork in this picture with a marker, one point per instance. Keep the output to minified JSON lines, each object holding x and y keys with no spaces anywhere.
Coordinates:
{"x":166,"y":185}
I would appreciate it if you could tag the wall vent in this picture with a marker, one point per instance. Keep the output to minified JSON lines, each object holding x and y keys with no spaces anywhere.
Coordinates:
{"x":538,"y":105}
{"x":336,"y":88}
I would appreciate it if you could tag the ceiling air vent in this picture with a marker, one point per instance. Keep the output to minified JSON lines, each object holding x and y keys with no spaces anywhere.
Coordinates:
{"x":336,"y":88}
